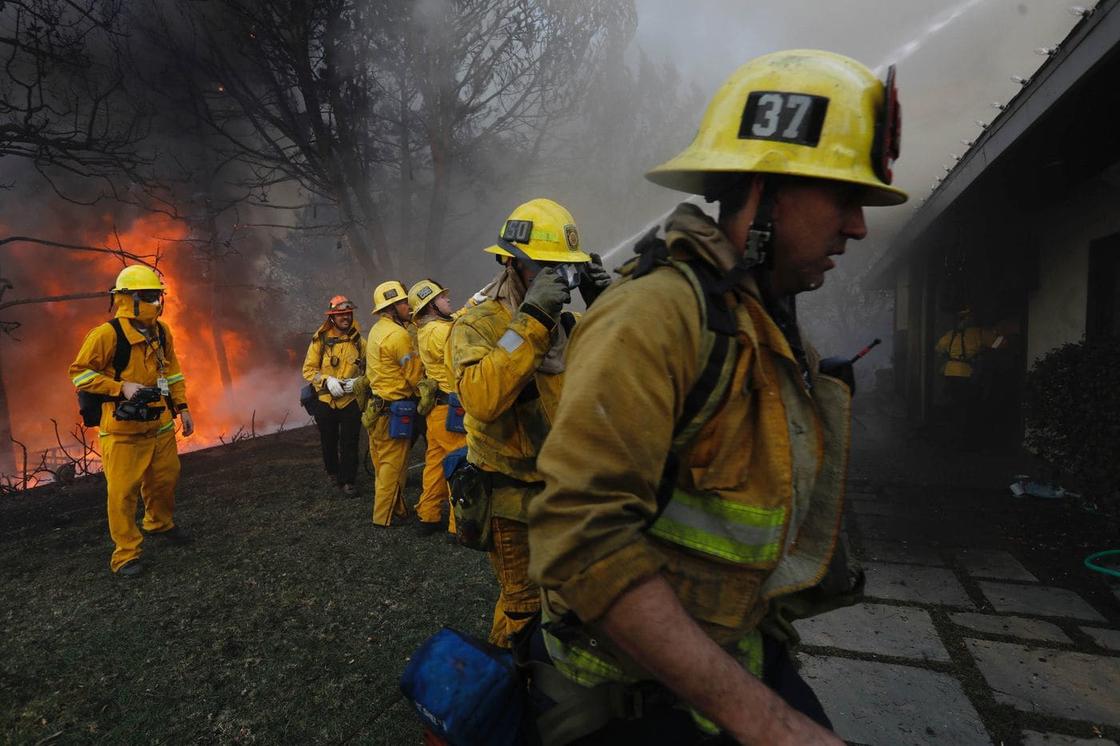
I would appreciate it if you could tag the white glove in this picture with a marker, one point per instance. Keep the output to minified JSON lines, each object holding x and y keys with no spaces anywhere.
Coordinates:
{"x":348,"y":385}
{"x":335,"y":387}
{"x":188,"y":423}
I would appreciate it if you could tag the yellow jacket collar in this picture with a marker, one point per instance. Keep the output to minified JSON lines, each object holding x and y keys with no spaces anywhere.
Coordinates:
{"x":705,"y":238}
{"x":690,"y":222}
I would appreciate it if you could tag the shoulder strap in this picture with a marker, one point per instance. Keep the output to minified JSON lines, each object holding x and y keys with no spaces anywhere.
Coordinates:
{"x":718,"y":351}
{"x":122,"y":350}
{"x":161,"y":331}
{"x":719,"y":348}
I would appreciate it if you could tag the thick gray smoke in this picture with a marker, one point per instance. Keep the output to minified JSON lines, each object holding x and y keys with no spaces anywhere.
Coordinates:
{"x":955,"y":58}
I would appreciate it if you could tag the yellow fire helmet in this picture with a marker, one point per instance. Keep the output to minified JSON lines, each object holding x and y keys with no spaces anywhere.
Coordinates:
{"x":137,"y":277}
{"x":423,"y":293}
{"x":388,"y":293}
{"x":800,"y":112}
{"x":542,"y":230}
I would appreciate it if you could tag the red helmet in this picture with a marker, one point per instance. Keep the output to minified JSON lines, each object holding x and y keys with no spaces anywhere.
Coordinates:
{"x":340,"y":304}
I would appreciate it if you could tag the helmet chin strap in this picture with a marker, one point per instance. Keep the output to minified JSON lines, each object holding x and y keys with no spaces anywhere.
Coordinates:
{"x":759,"y":250}
{"x":527,"y":261}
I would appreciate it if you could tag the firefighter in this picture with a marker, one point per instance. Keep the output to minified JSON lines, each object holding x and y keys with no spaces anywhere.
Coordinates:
{"x":695,"y":468}
{"x":129,"y":367}
{"x":507,"y":360}
{"x":431,"y":312}
{"x":964,"y":348}
{"x":393,"y":369}
{"x":334,"y":362}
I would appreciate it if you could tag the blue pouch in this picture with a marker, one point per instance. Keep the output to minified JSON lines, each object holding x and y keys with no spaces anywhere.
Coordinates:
{"x":465,"y":690}
{"x":455,"y":412}
{"x":309,"y":400}
{"x":453,"y":461}
{"x":401,"y":416}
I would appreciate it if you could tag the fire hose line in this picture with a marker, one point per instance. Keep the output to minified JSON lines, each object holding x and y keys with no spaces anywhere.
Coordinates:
{"x":1091,"y":562}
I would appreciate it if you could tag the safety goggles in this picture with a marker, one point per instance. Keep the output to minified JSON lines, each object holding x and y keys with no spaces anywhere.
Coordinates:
{"x":343,"y":307}
{"x":149,"y":296}
{"x":570,"y":272}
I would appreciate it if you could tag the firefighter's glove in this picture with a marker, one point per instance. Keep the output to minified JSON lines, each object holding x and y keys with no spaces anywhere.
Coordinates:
{"x":348,"y":385}
{"x":840,"y":367}
{"x":548,"y":293}
{"x":334,"y":386}
{"x":188,"y":422}
{"x":593,"y":280}
{"x":428,"y":389}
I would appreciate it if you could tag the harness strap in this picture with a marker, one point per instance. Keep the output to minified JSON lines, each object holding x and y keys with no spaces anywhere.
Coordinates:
{"x":122,"y":351}
{"x":580,"y":711}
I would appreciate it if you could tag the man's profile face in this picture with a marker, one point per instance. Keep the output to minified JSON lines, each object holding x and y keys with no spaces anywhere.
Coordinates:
{"x":403,"y":312}
{"x":813,"y":220}
{"x":443,"y":303}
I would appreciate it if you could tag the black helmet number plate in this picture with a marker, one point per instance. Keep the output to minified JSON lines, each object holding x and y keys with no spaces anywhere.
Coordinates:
{"x":520,"y":231}
{"x":783,"y":116}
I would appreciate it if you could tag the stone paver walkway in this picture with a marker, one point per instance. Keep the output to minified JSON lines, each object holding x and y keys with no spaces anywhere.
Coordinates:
{"x":951,"y":631}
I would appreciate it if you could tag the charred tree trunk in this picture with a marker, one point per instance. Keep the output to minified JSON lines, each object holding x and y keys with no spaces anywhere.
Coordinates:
{"x":437,"y":209}
{"x":404,"y":134}
{"x":7,"y":456}
{"x":216,"y":317}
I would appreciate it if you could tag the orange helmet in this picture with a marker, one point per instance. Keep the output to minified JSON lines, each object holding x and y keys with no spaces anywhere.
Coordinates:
{"x":340,"y":304}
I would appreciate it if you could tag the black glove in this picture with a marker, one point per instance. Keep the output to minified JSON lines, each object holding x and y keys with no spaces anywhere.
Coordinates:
{"x":548,"y":294}
{"x":840,"y":367}
{"x":593,"y":280}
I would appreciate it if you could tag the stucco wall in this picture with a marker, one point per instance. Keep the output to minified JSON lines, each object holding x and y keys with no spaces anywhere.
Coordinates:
{"x":1057,"y":307}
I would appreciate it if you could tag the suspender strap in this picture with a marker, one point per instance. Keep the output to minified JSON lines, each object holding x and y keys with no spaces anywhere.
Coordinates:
{"x":122,"y":352}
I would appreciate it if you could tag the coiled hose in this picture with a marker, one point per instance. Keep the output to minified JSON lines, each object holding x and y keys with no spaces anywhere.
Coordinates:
{"x":1092,"y":562}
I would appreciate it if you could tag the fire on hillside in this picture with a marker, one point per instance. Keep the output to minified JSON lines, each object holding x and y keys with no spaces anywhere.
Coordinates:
{"x":237,"y":376}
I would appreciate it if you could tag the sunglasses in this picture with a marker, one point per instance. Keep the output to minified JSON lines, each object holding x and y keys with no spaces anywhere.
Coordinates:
{"x":150,"y":296}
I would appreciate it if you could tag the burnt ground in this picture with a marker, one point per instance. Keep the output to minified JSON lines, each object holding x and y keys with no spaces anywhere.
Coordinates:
{"x":291,"y":617}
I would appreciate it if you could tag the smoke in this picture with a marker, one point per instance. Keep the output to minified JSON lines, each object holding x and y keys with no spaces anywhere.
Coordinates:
{"x":954,"y":57}
{"x":253,"y":280}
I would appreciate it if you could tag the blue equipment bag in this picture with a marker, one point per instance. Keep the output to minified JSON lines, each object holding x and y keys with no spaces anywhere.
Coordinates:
{"x":309,"y":400}
{"x":454,"y":422}
{"x":401,"y":415}
{"x":465,"y":690}
{"x":453,"y":461}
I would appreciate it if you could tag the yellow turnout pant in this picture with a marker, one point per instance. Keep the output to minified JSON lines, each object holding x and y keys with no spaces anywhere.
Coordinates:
{"x":520,"y":598}
{"x":389,"y":456}
{"x":440,"y":443}
{"x":145,"y":466}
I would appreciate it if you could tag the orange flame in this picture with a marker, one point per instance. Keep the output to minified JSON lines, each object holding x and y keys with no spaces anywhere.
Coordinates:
{"x":196,"y":311}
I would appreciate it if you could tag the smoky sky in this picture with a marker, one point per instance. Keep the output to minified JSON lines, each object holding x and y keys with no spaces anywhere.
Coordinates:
{"x":954,"y":57}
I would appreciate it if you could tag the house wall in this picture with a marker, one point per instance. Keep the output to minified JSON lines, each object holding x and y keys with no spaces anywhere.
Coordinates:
{"x":1057,"y":308}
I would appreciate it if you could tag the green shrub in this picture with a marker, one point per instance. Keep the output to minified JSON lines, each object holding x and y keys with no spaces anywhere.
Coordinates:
{"x":1072,"y":408}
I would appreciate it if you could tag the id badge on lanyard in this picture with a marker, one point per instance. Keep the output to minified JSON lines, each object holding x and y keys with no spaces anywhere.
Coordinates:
{"x":164,"y":387}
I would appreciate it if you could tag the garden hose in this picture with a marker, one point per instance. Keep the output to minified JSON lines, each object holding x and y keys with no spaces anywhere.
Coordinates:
{"x":1091,"y":562}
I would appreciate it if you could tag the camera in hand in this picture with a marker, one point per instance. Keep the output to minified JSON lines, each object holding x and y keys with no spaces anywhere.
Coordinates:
{"x":136,"y":409}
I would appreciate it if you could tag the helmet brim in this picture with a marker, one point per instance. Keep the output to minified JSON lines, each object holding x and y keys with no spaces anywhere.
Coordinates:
{"x":684,"y":175}
{"x":557,"y":257}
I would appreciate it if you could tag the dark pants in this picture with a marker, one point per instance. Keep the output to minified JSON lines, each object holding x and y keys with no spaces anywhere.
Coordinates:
{"x":672,"y":726}
{"x":338,"y":432}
